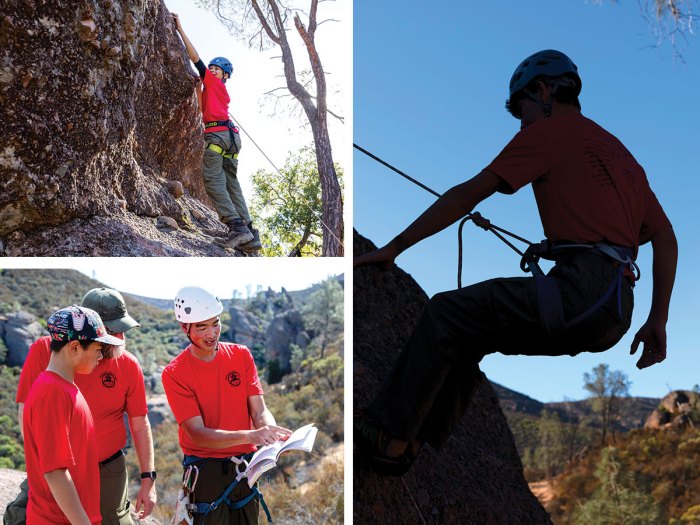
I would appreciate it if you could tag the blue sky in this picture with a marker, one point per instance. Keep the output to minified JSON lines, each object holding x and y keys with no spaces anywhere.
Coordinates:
{"x":429,"y":91}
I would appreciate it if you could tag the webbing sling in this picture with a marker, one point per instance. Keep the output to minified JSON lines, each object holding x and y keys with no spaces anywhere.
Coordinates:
{"x":206,"y":508}
{"x":218,"y":149}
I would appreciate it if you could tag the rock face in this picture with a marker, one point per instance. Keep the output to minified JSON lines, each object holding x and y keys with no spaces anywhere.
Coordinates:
{"x":19,"y":330}
{"x":101,"y":132}
{"x":285,"y":330}
{"x":477,"y":478}
{"x":678,"y":409}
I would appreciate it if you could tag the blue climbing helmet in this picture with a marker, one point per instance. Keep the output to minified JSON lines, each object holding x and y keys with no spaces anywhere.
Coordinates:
{"x":548,"y":63}
{"x":223,"y":63}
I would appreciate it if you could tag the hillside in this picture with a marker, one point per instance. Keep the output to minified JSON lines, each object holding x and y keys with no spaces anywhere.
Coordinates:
{"x":652,"y":474}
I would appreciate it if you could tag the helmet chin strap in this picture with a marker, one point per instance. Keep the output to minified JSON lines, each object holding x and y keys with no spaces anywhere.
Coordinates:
{"x":189,"y":327}
{"x":546,"y":107}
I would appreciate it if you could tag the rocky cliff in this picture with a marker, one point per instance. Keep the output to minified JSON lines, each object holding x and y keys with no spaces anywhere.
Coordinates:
{"x":102,"y":136}
{"x":477,"y":478}
{"x":680,"y":408}
{"x":18,"y":330}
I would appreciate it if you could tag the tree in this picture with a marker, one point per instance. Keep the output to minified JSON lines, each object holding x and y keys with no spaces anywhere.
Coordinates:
{"x":606,"y":389}
{"x":324,"y":311}
{"x":669,"y":19}
{"x":264,"y":23}
{"x":287,"y":204}
{"x":615,"y":503}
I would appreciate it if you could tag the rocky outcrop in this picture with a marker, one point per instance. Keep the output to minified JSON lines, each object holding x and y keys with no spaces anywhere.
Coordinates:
{"x":102,"y":135}
{"x":246,"y":328}
{"x":477,"y":478}
{"x":18,"y":331}
{"x":159,"y":410}
{"x":679,"y":408}
{"x":285,"y":330}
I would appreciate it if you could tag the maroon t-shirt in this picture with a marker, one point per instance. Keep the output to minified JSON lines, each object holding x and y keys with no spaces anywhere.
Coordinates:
{"x":588,"y":187}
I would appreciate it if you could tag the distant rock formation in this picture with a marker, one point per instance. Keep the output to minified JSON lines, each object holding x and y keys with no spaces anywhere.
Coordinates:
{"x":477,"y":478}
{"x":677,"y":409}
{"x":18,"y":330}
{"x":285,"y":330}
{"x":102,"y":135}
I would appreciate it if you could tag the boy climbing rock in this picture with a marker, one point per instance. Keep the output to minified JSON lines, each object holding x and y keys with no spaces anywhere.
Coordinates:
{"x":223,"y":144}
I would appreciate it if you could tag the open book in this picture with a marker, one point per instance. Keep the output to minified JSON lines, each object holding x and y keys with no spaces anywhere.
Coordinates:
{"x":266,"y":457}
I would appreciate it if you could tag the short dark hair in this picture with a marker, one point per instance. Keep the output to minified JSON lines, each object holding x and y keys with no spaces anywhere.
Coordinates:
{"x":57,"y":345}
{"x":565,"y":90}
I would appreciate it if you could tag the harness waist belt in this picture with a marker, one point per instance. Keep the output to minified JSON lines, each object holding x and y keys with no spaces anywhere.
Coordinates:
{"x":119,"y":453}
{"x":216,"y":124}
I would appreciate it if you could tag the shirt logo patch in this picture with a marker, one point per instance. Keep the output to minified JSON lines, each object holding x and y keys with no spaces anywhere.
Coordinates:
{"x":233,"y":378}
{"x":109,"y":380}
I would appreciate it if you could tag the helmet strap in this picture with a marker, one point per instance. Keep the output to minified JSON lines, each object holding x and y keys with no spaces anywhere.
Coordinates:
{"x":546,"y":107}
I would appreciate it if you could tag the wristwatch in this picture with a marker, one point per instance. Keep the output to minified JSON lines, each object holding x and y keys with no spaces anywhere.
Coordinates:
{"x":150,"y":475}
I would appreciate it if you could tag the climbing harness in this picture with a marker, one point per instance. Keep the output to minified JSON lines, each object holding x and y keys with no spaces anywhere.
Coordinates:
{"x":549,"y":301}
{"x":241,"y":463}
{"x":233,"y":132}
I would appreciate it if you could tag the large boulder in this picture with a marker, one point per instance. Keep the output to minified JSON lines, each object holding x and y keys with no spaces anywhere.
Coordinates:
{"x":246,"y":328}
{"x":19,"y":331}
{"x":678,"y":409}
{"x":102,"y":135}
{"x":477,"y":478}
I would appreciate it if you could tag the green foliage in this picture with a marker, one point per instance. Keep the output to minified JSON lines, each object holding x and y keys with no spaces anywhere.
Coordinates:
{"x":287,"y":206}
{"x":616,"y":500}
{"x":323,"y":313}
{"x":3,"y":352}
{"x":647,"y":469}
{"x":11,"y":448}
{"x":606,"y":387}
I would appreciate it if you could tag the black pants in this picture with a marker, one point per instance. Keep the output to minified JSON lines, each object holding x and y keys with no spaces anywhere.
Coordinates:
{"x":435,"y":376}
{"x":214,"y":477}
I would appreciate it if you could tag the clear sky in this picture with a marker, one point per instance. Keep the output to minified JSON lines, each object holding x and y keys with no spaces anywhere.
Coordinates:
{"x":161,"y":278}
{"x":277,"y":132}
{"x":429,"y":92}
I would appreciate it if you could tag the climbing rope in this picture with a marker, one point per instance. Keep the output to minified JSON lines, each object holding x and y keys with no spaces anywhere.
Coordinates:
{"x":325,"y":226}
{"x":529,"y":263}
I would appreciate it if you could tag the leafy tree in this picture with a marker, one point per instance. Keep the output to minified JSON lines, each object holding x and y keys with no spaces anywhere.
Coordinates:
{"x":266,"y":23}
{"x":324,"y":311}
{"x":287,"y":205}
{"x":551,"y":452}
{"x":614,"y":503}
{"x":606,"y":388}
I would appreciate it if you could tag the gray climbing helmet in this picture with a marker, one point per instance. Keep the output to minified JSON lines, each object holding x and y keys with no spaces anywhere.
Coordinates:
{"x":547,"y":63}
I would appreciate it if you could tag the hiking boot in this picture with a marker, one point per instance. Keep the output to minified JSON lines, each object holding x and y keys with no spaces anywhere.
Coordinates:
{"x":238,"y":233}
{"x":255,"y":244}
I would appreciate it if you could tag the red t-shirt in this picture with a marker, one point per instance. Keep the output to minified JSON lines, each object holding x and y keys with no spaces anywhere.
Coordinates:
{"x":215,"y":101}
{"x":59,"y":433}
{"x":115,"y":386}
{"x":588,"y":187}
{"x":217,"y":390}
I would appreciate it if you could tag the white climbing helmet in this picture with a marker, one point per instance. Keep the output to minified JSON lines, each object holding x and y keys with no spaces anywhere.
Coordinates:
{"x":194,"y":305}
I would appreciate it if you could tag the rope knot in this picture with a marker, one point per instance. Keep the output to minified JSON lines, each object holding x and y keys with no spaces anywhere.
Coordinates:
{"x":480,"y":221}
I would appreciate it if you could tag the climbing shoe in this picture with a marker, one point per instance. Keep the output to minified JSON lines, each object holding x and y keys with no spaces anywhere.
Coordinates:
{"x":372,"y":443}
{"x":255,"y":244}
{"x":238,"y":233}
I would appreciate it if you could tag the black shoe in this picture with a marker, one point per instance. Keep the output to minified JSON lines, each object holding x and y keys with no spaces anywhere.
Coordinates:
{"x":372,"y":442}
{"x":254,"y":245}
{"x":238,"y":233}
